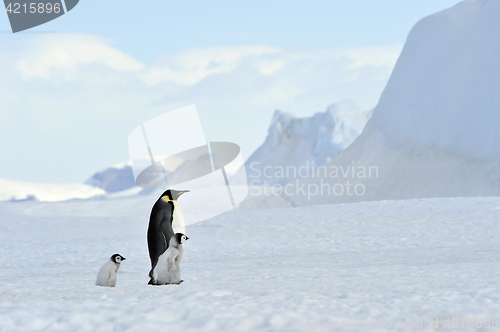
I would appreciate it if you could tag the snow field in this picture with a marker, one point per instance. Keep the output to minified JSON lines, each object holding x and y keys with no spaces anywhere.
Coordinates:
{"x":260,"y":270}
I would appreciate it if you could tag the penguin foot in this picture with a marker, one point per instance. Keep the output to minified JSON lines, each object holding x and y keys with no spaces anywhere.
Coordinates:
{"x":177,"y":283}
{"x":152,"y":282}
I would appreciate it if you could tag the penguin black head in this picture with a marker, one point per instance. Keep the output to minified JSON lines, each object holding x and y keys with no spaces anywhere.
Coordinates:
{"x":180,"y":238}
{"x":117,"y":258}
{"x":173,"y":195}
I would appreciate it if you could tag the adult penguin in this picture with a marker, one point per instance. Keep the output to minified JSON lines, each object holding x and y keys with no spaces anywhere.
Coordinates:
{"x":166,"y":216}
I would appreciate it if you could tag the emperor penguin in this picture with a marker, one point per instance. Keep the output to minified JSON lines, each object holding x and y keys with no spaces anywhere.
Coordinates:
{"x":165,"y":220}
{"x":107,"y":274}
{"x":168,"y":269}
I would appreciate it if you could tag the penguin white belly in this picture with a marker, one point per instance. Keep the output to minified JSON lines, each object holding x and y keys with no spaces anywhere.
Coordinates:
{"x":168,"y":271}
{"x":178,"y":224}
{"x":107,"y":275}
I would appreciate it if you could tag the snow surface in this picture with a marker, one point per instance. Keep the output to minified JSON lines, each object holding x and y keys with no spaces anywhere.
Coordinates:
{"x":411,"y":260}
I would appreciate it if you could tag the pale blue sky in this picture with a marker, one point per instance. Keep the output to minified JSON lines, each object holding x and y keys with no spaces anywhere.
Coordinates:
{"x":70,"y":98}
{"x":149,"y":29}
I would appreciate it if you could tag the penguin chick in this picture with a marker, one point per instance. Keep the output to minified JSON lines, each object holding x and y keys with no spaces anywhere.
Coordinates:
{"x":107,"y":274}
{"x":168,"y":269}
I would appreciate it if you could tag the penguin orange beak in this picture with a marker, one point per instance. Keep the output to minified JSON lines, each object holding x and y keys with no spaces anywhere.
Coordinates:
{"x":184,"y":191}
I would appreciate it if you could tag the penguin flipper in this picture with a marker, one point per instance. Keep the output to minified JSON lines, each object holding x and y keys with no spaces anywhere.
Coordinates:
{"x":166,"y":223}
{"x":160,"y":248}
{"x":160,"y":229}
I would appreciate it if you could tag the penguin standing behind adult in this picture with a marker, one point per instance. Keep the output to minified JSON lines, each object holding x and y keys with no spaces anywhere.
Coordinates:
{"x":108,"y":273}
{"x":166,"y":217}
{"x":168,"y":269}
